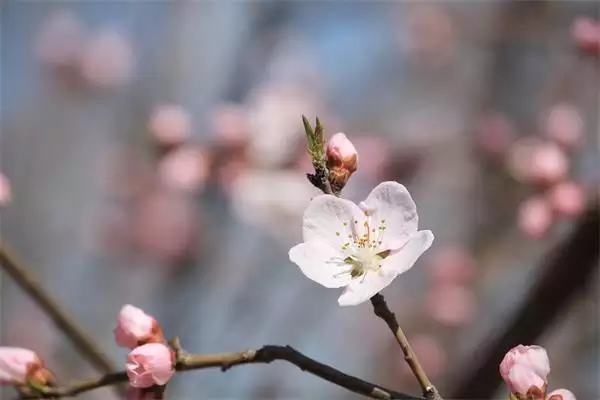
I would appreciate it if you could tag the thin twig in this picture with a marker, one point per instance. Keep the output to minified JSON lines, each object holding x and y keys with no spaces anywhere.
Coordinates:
{"x":65,"y":323}
{"x":225,"y":361}
{"x":382,"y":310}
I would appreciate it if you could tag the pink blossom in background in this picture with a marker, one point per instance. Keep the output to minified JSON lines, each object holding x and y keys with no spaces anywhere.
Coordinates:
{"x":5,"y":190}
{"x":170,"y":125}
{"x":567,"y":198}
{"x":432,"y":33}
{"x":374,"y":152}
{"x":549,"y":163}
{"x":430,"y":353}
{"x":564,"y":125}
{"x":150,"y":364}
{"x":451,"y":305}
{"x":494,"y":134}
{"x":586,"y":33}
{"x":134,"y":326}
{"x":535,"y":217}
{"x":108,"y":60}
{"x":525,"y":366}
{"x":451,"y":265}
{"x":184,"y":169}
{"x":561,"y":394}
{"x":230,"y":125}
{"x":16,"y":364}
{"x":520,"y":156}
{"x":60,"y":40}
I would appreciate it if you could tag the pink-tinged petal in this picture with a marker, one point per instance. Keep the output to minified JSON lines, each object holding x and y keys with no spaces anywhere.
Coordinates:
{"x":561,"y":394}
{"x":391,"y":203}
{"x":150,"y":364}
{"x":133,"y":325}
{"x":330,"y":220}
{"x":402,"y":259}
{"x":536,"y":359}
{"x":521,"y":379}
{"x":321,"y":263}
{"x":15,"y":364}
{"x":363,"y":288}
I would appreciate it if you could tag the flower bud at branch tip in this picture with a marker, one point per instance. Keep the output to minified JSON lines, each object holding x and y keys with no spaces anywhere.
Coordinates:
{"x":149,"y":365}
{"x":525,"y":370}
{"x":17,"y":366}
{"x":135,"y":327}
{"x":342,"y":160}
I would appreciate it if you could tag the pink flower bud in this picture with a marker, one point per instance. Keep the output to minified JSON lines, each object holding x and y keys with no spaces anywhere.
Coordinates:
{"x":567,"y":198}
{"x":342,"y":159}
{"x":135,"y":327}
{"x":525,"y":369}
{"x":586,"y":33}
{"x":149,"y":365}
{"x":170,"y":125}
{"x":561,"y":394}
{"x":17,"y":365}
{"x":564,"y":125}
{"x":535,"y":217}
{"x":549,"y":164}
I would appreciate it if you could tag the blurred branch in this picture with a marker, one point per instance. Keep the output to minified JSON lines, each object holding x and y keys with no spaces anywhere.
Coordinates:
{"x":566,"y":271}
{"x":65,"y":323}
{"x":382,"y":310}
{"x":225,"y":361}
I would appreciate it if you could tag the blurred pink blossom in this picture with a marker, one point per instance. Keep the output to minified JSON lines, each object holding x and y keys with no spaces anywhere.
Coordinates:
{"x":134,"y":327}
{"x":586,"y":33}
{"x":374,"y":153}
{"x":451,"y":305}
{"x":230,"y":125}
{"x":567,"y":198}
{"x":107,"y":60}
{"x":535,"y":217}
{"x":430,"y":352}
{"x":170,"y":125}
{"x":494,"y":134}
{"x":5,"y":190}
{"x":60,"y":40}
{"x":564,"y":125}
{"x":561,"y":394}
{"x":150,"y":364}
{"x":185,"y":169}
{"x":549,"y":163}
{"x":432,"y":33}
{"x":452,"y":265}
{"x":520,"y":156}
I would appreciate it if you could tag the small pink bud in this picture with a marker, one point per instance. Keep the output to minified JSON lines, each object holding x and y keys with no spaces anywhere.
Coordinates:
{"x":561,"y":394}
{"x":170,"y":125}
{"x":17,"y":365}
{"x":586,"y":33}
{"x":525,"y":369}
{"x":135,"y":327}
{"x":564,"y":125}
{"x":342,"y":159}
{"x":567,"y":198}
{"x":184,"y":169}
{"x":5,"y":190}
{"x":150,"y":364}
{"x":549,"y":163}
{"x":535,"y":217}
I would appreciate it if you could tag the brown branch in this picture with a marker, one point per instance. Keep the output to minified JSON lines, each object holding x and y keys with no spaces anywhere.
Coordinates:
{"x":65,"y":323}
{"x":225,"y":361}
{"x":382,"y":310}
{"x":567,"y":269}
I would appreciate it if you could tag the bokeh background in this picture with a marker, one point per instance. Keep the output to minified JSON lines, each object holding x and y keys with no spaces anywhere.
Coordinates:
{"x":152,"y":153}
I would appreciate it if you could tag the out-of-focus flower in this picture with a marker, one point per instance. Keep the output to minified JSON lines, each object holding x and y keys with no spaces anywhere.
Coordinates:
{"x":586,"y":33}
{"x":184,"y":169}
{"x":150,"y":364}
{"x":360,"y":248}
{"x":567,"y":198}
{"x":342,"y":160}
{"x":535,"y":217}
{"x":549,"y":164}
{"x":451,"y":265}
{"x":5,"y":190}
{"x":525,"y":370}
{"x":230,"y":125}
{"x":432,"y":33}
{"x":18,"y":365}
{"x":60,"y":40}
{"x":170,"y":125}
{"x":519,"y":158}
{"x":561,"y":394}
{"x":375,"y":153}
{"x":494,"y":134}
{"x":135,"y":327}
{"x":432,"y":356}
{"x":564,"y":125}
{"x":451,"y":305}
{"x":107,"y":60}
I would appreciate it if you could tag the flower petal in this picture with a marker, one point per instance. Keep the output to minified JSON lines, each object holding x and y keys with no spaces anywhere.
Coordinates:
{"x":403,"y":259}
{"x":325,"y":217}
{"x":317,"y":261}
{"x":391,"y":202}
{"x":363,"y":288}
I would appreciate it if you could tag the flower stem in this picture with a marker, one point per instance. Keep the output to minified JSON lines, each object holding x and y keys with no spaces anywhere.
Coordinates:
{"x":382,"y":310}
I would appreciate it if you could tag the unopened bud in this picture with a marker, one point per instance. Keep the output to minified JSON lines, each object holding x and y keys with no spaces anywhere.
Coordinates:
{"x":135,"y":328}
{"x":18,"y":366}
{"x":561,"y":394}
{"x":342,"y":160}
{"x":525,"y":370}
